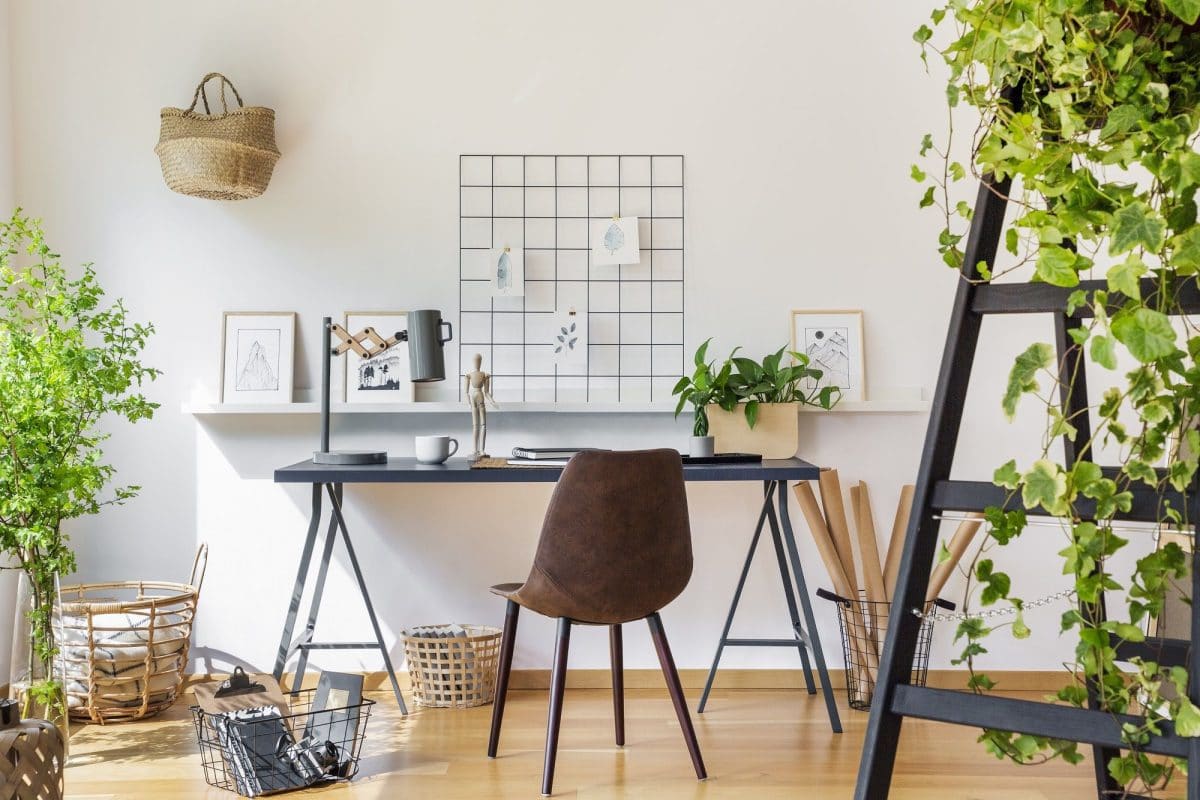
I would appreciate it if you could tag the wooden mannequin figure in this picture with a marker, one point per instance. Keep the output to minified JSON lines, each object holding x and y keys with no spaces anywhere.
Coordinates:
{"x":478,"y":391}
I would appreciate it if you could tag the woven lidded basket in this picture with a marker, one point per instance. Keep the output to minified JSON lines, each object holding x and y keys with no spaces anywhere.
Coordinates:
{"x":226,"y":156}
{"x":123,"y":646}
{"x":453,"y":666}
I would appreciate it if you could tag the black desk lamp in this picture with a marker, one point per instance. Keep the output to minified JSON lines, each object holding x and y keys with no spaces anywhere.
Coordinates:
{"x":426,"y":358}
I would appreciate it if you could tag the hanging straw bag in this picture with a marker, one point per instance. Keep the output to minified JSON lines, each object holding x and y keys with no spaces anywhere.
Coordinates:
{"x":226,"y":156}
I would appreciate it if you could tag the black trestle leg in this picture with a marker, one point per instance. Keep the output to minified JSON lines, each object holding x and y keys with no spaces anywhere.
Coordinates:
{"x":558,"y":686}
{"x":676,"y":691}
{"x":503,"y":669}
{"x":616,"y":650}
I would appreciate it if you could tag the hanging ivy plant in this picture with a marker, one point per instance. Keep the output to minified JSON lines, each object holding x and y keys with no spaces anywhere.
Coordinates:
{"x":1091,"y":108}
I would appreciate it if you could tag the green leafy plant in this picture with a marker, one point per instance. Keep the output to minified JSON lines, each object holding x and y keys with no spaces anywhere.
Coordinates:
{"x":740,"y":381}
{"x":707,"y":384}
{"x":67,"y":363}
{"x":1091,"y":108}
{"x":774,"y":380}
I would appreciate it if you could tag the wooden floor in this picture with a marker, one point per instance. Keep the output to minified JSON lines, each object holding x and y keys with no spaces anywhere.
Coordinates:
{"x":756,"y":743}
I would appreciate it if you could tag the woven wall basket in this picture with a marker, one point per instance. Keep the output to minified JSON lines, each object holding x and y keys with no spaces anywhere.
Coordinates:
{"x":123,"y":647}
{"x":226,"y":156}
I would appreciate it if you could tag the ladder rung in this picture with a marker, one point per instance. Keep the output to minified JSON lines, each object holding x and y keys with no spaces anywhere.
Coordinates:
{"x":1042,"y":298}
{"x":1028,"y":716}
{"x":978,"y":495}
{"x":1167,"y":652}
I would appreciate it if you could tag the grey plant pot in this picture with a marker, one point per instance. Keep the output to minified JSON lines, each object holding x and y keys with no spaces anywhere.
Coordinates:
{"x":701,"y":446}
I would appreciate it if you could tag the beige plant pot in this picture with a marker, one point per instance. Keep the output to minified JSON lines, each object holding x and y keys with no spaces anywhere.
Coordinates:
{"x":775,"y":435}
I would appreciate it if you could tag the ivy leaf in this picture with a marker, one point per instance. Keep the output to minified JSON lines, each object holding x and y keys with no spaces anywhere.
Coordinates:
{"x":917,"y":174}
{"x":1075,"y":300}
{"x":1104,"y":351}
{"x":1025,"y":39}
{"x":922,"y":34}
{"x":1186,"y":10}
{"x":1133,"y":225}
{"x":1123,"y":277}
{"x":1120,"y":120}
{"x":1147,"y":333}
{"x":1056,"y":266}
{"x":1186,"y":251}
{"x":1007,"y":475}
{"x":1011,"y":240}
{"x":1187,"y":719}
{"x":1046,"y":486}
{"x":1021,"y":378}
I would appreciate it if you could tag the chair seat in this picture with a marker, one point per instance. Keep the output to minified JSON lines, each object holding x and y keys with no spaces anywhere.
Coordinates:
{"x":506,"y":590}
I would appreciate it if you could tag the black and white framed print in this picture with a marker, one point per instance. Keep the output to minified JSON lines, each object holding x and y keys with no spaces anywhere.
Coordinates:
{"x":383,"y":378}
{"x":257,"y":353}
{"x":833,"y":342}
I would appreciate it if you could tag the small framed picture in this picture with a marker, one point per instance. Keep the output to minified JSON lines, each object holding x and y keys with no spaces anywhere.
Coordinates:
{"x":507,"y":266}
{"x":257,"y":349}
{"x":383,"y":378}
{"x":615,"y":241}
{"x":833,"y":342}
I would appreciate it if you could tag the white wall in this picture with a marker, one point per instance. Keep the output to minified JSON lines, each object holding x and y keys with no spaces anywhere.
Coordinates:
{"x":8,"y":579}
{"x":798,"y":122}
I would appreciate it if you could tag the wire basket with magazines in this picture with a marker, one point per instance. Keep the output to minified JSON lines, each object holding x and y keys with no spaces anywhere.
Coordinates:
{"x":261,"y":750}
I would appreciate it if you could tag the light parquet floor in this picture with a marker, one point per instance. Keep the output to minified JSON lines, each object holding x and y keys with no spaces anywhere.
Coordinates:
{"x":756,"y":743}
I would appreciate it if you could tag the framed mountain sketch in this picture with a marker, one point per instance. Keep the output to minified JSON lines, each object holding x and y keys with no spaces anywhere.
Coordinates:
{"x":387,"y":377}
{"x":257,"y":351}
{"x":833,"y":341}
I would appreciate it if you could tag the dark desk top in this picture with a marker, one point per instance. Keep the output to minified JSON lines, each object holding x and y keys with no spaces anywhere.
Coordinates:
{"x":457,"y":470}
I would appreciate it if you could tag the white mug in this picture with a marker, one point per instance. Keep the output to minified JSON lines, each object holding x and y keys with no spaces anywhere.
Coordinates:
{"x":435,"y":449}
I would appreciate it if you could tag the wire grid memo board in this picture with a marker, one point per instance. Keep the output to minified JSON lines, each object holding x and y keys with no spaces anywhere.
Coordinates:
{"x":545,"y":204}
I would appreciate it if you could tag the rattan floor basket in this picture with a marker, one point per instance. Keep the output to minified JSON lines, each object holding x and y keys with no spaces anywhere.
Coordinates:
{"x":123,"y":647}
{"x":226,"y":156}
{"x":453,"y":671}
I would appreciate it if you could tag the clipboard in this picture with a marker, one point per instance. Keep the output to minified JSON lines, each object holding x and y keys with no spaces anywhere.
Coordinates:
{"x":241,"y":691}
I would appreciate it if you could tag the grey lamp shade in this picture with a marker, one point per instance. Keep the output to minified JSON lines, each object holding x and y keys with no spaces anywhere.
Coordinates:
{"x":426,"y":352}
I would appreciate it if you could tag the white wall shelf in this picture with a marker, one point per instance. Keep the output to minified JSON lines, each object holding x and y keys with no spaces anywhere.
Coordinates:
{"x":202,"y":409}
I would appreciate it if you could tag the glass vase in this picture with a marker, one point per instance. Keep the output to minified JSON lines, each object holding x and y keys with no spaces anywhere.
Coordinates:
{"x":37,"y":687}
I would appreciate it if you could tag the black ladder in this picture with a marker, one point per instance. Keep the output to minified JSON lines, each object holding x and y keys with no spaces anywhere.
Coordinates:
{"x":895,"y":698}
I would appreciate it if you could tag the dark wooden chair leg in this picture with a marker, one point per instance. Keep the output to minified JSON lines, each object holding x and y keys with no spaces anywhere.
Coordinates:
{"x":558,"y":686}
{"x":616,"y":650}
{"x":676,"y":691}
{"x":507,"y":644}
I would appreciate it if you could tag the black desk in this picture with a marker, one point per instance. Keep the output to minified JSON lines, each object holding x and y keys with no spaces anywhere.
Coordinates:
{"x":329,"y":481}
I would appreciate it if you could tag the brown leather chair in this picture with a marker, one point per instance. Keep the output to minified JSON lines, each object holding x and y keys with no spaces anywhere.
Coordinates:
{"x":615,"y":547}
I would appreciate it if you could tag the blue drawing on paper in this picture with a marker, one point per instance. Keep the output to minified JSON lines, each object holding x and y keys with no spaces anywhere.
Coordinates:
{"x":504,"y":272}
{"x":614,"y":238}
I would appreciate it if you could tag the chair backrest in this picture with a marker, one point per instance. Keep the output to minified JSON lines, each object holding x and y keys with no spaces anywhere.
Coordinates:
{"x":616,"y":544}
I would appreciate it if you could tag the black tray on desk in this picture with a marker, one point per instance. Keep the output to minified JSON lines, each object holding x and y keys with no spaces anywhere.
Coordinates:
{"x":724,"y":458}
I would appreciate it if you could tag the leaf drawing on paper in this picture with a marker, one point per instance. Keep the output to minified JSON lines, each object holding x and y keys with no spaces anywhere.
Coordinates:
{"x":614,"y":238}
{"x":504,"y":272}
{"x":565,"y":339}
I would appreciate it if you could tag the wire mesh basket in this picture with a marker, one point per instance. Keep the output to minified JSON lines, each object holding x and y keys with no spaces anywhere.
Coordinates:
{"x":864,"y":624}
{"x":261,"y":751}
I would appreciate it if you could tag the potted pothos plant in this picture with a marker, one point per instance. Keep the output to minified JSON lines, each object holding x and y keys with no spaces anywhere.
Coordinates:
{"x":750,"y":406}
{"x":1092,"y":108}
{"x":69,"y":365}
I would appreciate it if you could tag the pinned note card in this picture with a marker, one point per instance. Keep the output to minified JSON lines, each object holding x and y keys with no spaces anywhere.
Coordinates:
{"x":615,"y":241}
